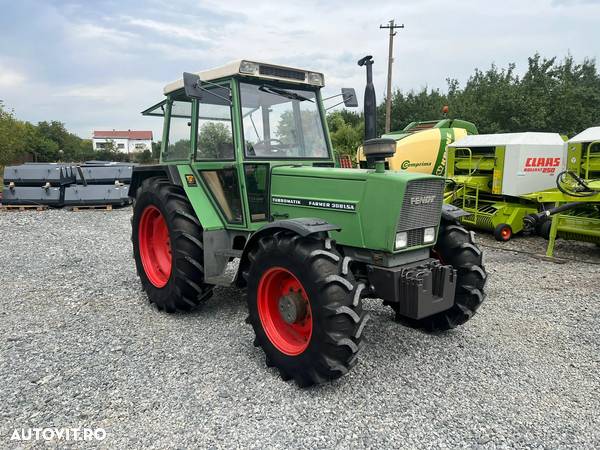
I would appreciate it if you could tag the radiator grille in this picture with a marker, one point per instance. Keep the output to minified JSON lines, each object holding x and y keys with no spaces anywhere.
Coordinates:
{"x":415,"y":237}
{"x":282,"y":73}
{"x":422,"y":204}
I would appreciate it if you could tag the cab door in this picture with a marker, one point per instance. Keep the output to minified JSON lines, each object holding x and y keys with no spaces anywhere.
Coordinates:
{"x":213,"y":144}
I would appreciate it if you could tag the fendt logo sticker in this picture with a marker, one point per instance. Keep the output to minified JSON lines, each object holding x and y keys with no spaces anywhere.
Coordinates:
{"x":422,"y":200}
{"x":325,"y":204}
{"x":406,"y":164}
{"x":543,"y":165}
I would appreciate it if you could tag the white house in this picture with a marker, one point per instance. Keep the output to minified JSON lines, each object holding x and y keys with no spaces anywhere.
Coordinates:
{"x":129,"y":141}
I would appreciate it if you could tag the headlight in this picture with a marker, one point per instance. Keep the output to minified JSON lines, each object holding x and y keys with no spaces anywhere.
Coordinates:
{"x":401,"y":240}
{"x":249,"y":67}
{"x":429,"y":235}
{"x":315,"y":78}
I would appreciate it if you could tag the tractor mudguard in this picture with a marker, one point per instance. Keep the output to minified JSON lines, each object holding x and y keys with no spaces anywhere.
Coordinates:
{"x":301,"y":226}
{"x":140,"y":173}
{"x":452,"y":213}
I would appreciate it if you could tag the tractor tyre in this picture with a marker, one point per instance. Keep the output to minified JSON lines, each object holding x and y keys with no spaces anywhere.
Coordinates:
{"x":503,"y":232}
{"x":305,"y":307}
{"x":455,"y":246}
{"x":167,"y":246}
{"x":544,"y":229}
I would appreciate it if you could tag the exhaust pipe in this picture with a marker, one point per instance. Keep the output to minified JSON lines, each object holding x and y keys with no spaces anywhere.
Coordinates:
{"x":370,"y":107}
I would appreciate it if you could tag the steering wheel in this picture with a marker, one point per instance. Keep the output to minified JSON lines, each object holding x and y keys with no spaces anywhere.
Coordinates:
{"x":279,"y":146}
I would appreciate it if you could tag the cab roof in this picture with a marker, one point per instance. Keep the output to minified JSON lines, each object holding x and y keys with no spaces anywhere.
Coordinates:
{"x":255,"y":69}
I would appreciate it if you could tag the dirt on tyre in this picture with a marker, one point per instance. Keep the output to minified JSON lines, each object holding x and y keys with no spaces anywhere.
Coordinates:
{"x":167,"y":246}
{"x":305,"y":307}
{"x":455,"y":246}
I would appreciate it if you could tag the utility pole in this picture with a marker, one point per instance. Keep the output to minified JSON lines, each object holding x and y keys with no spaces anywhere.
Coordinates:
{"x":388,"y":100}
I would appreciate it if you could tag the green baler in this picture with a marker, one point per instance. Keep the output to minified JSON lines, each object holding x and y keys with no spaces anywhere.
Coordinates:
{"x":490,"y":175}
{"x":576,"y":199}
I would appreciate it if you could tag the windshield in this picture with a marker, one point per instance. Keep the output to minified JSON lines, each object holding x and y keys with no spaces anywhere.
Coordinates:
{"x":282,"y":123}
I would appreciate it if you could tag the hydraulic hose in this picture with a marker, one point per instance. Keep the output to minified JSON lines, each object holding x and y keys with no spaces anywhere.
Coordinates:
{"x":581,"y":190}
{"x":531,"y":220}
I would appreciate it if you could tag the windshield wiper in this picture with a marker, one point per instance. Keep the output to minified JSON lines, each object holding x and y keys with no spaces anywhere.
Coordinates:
{"x":283,"y":93}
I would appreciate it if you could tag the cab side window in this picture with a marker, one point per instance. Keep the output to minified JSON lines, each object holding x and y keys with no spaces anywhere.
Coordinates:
{"x":178,"y":146}
{"x":215,"y":135}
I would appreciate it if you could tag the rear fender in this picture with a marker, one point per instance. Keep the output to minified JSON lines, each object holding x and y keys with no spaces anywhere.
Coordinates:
{"x":184,"y":176}
{"x":140,"y":173}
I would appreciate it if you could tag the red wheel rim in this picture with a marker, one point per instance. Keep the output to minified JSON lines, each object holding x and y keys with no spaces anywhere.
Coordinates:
{"x":289,"y":338}
{"x":505,"y":233}
{"x":155,"y":246}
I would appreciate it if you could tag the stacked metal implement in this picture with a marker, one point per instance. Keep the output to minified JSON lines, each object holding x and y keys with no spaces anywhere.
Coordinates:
{"x":64,"y":184}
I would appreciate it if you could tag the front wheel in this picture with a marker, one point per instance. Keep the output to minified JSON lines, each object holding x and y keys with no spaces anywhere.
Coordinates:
{"x":455,"y":246}
{"x":305,"y":307}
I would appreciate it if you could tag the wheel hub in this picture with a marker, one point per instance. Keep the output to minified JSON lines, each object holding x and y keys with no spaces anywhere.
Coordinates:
{"x":284,"y":311}
{"x":292,"y":307}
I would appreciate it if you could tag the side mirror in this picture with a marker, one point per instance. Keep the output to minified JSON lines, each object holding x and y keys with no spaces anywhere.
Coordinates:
{"x":349,"y":96}
{"x":191,"y":84}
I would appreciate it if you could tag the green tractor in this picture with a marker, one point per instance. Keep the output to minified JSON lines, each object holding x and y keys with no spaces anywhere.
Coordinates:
{"x":248,"y":174}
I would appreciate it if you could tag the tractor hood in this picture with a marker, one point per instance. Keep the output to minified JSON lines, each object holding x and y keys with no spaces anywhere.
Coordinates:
{"x":369,"y":207}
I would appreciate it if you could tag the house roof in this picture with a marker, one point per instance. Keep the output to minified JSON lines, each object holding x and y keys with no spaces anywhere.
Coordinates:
{"x":128,"y":134}
{"x":494,"y":140}
{"x":589,"y":135}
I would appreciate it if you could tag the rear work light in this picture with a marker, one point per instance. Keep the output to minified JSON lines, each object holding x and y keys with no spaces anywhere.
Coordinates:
{"x":249,"y":68}
{"x":315,"y":78}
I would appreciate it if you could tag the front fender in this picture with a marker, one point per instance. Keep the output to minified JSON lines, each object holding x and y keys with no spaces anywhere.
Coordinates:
{"x":301,"y":227}
{"x":453,"y":213}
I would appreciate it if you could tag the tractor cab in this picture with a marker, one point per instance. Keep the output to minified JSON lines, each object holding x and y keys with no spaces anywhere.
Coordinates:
{"x":234,"y":123}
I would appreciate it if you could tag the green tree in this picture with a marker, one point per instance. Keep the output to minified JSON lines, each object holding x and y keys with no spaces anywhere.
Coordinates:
{"x":156,"y":148}
{"x":410,"y":107}
{"x":12,"y":136}
{"x":110,"y":152}
{"x":346,"y":131}
{"x":212,"y":140}
{"x":144,"y":157}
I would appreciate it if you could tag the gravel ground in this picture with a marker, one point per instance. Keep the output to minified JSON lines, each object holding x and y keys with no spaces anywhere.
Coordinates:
{"x":80,"y":346}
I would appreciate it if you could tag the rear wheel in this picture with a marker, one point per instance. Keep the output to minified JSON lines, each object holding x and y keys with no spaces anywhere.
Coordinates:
{"x":503,"y":232}
{"x":167,"y":246}
{"x":305,"y":307}
{"x":455,"y":246}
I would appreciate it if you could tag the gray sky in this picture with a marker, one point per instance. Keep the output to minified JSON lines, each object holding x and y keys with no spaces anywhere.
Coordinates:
{"x":96,"y":65}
